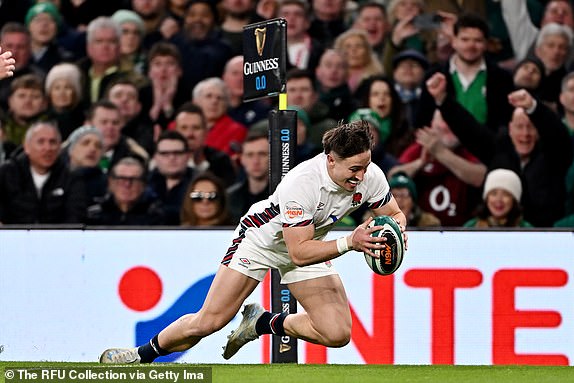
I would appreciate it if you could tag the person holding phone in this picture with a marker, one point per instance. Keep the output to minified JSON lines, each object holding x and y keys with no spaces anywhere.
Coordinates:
{"x":412,"y":28}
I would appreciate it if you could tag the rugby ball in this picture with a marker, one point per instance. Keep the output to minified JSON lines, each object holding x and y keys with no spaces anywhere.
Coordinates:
{"x":391,"y":256}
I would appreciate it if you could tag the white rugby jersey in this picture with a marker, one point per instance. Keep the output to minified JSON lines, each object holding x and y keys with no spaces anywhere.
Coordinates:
{"x":305,"y":196}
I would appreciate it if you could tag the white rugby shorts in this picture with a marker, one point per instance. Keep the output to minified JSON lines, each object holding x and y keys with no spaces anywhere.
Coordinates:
{"x":254,"y":261}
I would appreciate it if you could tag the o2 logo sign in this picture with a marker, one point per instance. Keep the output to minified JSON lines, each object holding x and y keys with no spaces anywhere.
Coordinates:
{"x":141,"y":288}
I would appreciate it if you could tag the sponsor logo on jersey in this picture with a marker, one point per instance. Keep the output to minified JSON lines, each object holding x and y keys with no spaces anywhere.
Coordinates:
{"x":320,"y":206}
{"x":293,"y":210}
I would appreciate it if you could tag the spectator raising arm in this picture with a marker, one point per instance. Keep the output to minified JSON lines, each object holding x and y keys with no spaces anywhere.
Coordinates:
{"x":7,"y":64}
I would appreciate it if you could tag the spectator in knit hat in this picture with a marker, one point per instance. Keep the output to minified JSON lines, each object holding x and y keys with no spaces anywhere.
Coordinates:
{"x":501,"y":207}
{"x":529,"y":74}
{"x":405,"y":192}
{"x":64,"y":92}
{"x":85,"y":148}
{"x":305,"y":148}
{"x":409,"y":68}
{"x":43,"y":21}
{"x":132,"y":56}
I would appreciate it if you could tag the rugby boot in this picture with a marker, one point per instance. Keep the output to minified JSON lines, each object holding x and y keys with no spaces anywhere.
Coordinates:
{"x":245,"y":333}
{"x":120,"y":356}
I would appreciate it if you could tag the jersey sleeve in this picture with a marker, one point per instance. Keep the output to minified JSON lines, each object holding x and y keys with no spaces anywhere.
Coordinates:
{"x":378,"y":190}
{"x":297,"y":201}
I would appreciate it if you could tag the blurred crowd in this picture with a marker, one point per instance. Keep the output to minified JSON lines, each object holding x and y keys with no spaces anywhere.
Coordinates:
{"x":131,"y":112}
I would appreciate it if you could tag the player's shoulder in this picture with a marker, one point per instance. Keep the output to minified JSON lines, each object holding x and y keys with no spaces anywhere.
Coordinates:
{"x":308,"y":171}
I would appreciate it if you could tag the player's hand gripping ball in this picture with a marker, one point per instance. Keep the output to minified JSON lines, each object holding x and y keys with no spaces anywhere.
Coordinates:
{"x":391,"y":256}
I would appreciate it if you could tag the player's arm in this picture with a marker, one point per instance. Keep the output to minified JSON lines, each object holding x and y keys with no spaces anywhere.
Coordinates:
{"x":392,"y":209}
{"x":304,"y":250}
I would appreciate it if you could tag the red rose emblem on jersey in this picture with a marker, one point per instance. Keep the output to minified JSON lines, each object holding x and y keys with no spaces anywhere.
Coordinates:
{"x":357,"y":197}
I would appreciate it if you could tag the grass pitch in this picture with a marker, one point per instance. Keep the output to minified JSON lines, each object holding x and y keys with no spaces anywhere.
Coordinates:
{"x":260,"y":373}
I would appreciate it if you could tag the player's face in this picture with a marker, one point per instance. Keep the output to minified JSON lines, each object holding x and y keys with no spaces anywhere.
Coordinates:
{"x":349,"y":172}
{"x":499,"y":203}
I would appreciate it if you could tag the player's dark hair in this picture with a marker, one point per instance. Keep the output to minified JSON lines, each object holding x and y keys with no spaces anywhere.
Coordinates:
{"x":348,"y":140}
{"x":471,"y":20}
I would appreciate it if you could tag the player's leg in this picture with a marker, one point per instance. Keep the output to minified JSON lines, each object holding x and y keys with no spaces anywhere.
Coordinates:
{"x":227,"y":292}
{"x":327,"y":317}
{"x":226,"y":295}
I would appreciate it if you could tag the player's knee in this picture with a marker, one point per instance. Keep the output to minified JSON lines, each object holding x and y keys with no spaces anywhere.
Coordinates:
{"x":339,"y":337}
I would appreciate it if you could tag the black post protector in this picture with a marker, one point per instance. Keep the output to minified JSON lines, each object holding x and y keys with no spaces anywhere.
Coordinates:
{"x":283,"y":143}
